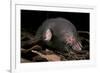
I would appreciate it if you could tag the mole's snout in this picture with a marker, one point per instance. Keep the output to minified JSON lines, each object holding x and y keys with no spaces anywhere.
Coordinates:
{"x":74,"y":43}
{"x":77,"y":46}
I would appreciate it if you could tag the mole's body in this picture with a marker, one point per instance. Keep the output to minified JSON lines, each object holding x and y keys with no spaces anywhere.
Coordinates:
{"x":59,"y":34}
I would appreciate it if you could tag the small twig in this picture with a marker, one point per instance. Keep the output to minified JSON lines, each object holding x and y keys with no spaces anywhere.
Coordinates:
{"x":83,"y":32}
{"x":25,"y":51}
{"x":51,"y":57}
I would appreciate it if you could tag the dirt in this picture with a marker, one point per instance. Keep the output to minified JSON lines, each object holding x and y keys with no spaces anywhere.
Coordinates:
{"x":38,"y":53}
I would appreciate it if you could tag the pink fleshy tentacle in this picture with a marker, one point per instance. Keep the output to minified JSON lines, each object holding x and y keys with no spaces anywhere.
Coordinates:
{"x":76,"y":45}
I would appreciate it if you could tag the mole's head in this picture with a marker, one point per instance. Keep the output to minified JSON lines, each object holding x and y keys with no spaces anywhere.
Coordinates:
{"x":74,"y":43}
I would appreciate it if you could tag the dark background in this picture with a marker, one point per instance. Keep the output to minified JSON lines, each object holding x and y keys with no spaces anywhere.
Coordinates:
{"x":31,"y":19}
